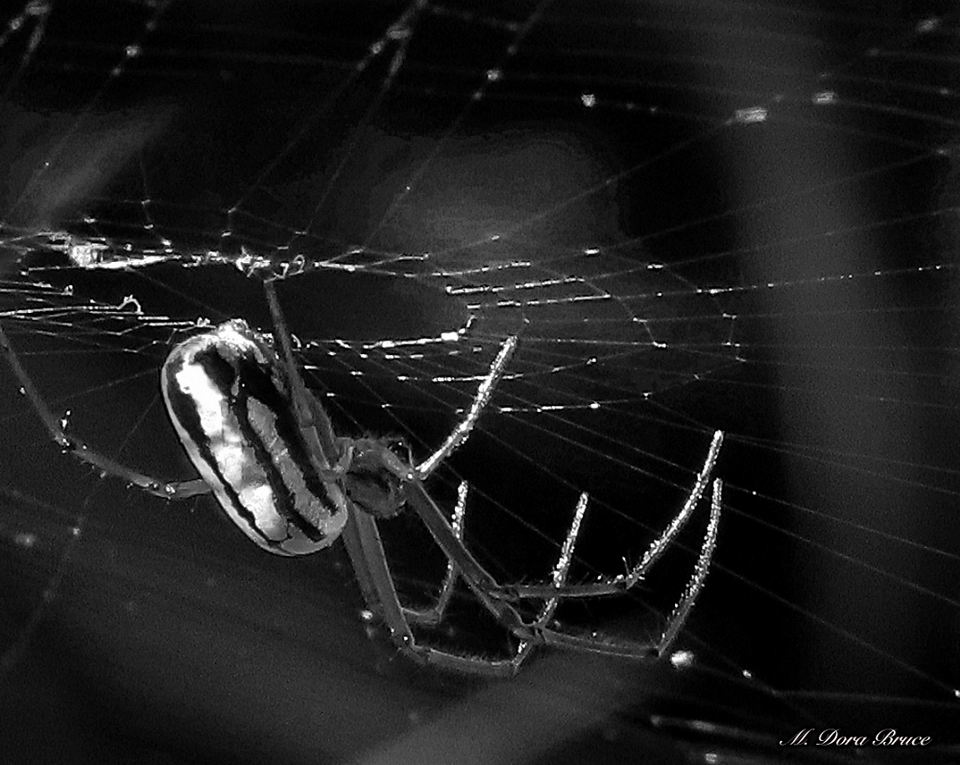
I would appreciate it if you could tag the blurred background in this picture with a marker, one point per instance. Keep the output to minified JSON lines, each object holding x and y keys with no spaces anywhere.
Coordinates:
{"x":694,"y":216}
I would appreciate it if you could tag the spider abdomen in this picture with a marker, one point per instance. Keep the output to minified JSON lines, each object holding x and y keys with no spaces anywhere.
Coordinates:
{"x":231,"y":408}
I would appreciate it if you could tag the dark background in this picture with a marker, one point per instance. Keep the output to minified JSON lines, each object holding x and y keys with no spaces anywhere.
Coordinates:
{"x":826,"y":350}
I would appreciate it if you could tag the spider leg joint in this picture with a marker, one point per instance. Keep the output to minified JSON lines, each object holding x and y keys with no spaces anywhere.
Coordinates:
{"x":505,"y":592}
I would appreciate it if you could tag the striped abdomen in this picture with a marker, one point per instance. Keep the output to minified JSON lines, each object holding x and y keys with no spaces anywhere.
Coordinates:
{"x":230,"y":405}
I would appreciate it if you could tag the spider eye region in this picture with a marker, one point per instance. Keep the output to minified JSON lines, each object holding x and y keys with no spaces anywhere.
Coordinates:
{"x":231,"y":408}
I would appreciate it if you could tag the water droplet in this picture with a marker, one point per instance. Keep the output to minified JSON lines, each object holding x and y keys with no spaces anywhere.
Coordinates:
{"x":750,"y":115}
{"x":25,"y":539}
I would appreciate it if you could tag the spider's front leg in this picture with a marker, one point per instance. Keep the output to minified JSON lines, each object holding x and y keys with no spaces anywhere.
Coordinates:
{"x":538,"y":631}
{"x":678,"y":615}
{"x":479,"y":578}
{"x":497,"y":598}
{"x":480,"y":400}
{"x":623,"y":582}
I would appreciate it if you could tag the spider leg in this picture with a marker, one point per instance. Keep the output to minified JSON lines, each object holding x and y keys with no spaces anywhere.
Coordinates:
{"x":678,"y":616}
{"x":433,"y":615}
{"x":493,"y":596}
{"x":484,"y":586}
{"x":327,"y":458}
{"x":558,"y":577}
{"x":479,"y":579}
{"x":375,"y":570}
{"x":429,"y":616}
{"x":173,"y":490}
{"x":315,"y":425}
{"x":358,"y":562}
{"x":682,"y":609}
{"x":463,"y":429}
{"x":375,"y":564}
{"x":625,"y":581}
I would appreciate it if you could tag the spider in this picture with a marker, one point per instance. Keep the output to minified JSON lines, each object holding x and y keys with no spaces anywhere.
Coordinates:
{"x":266,"y":449}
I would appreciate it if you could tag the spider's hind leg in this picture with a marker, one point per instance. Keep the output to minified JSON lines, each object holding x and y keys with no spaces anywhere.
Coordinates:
{"x":172,"y":490}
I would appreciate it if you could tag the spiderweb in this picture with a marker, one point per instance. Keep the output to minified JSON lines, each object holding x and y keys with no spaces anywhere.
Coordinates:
{"x":693,"y":217}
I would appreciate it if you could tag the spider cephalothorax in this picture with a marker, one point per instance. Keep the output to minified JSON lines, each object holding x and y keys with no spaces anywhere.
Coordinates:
{"x":369,"y":483}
